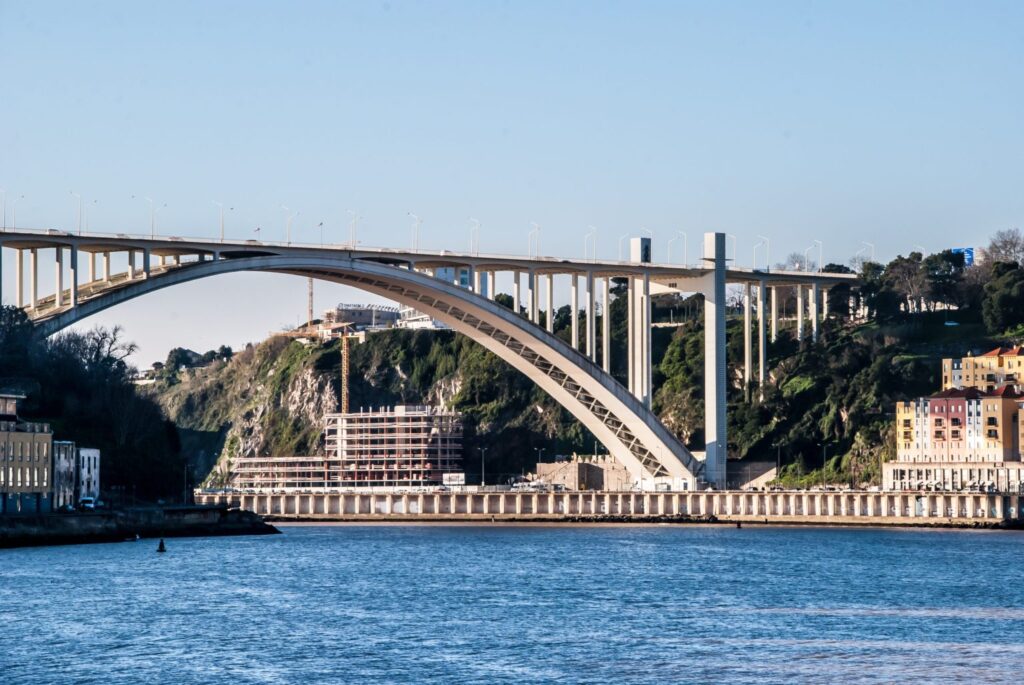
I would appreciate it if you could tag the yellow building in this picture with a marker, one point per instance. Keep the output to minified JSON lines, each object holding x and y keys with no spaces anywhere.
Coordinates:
{"x":25,"y":461}
{"x":996,"y":368}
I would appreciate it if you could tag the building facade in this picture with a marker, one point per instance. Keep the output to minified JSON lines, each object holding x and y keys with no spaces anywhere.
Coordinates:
{"x":26,"y":461}
{"x":961,"y":439}
{"x":989,"y":371}
{"x":65,"y":474}
{"x":88,"y":468}
{"x":401,"y":446}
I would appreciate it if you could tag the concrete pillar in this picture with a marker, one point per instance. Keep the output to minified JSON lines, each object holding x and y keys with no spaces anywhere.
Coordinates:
{"x":606,"y":325}
{"x":491,"y":285}
{"x":19,"y":279}
{"x":516,"y":302}
{"x":799,"y":312}
{"x":145,"y":262}
{"x":775,"y":314}
{"x":477,"y":278}
{"x":631,"y":335}
{"x":824,"y":304}
{"x":58,"y":270}
{"x":106,"y":266}
{"x":549,"y":295}
{"x":92,"y":267}
{"x":815,"y":289}
{"x":131,"y":264}
{"x":73,"y":271}
{"x":748,"y":356}
{"x":591,"y":329}
{"x":535,"y":309}
{"x":33,"y":276}
{"x":762,"y":339}
{"x":645,"y":330}
{"x":713,"y":289}
{"x":574,"y":305}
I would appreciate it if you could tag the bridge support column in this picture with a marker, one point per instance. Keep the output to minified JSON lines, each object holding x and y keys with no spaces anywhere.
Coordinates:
{"x":534,"y":284}
{"x":646,"y":336}
{"x":145,"y":262}
{"x":476,"y":280}
{"x":33,"y":276}
{"x":490,"y":286}
{"x":824,"y":304}
{"x":631,"y":335}
{"x":714,"y":360}
{"x":516,"y":300}
{"x":73,"y":272}
{"x":762,"y":339}
{"x":106,"y":266}
{"x":58,"y":269}
{"x":591,"y":330}
{"x":799,"y":312}
{"x":19,"y":279}
{"x":748,"y":356}
{"x":131,"y":265}
{"x":574,"y":306}
{"x":606,"y":325}
{"x":814,"y":312}
{"x":775,"y":313}
{"x":549,"y":294}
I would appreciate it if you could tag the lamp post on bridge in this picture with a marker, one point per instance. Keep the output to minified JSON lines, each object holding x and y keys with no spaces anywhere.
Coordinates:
{"x":474,"y":236}
{"x":533,"y":240}
{"x":416,"y":223}
{"x":3,"y":199}
{"x":483,"y":453}
{"x":622,"y":237}
{"x":153,"y":209}
{"x":288,"y":224}
{"x":73,"y":193}
{"x":590,"y":237}
{"x":352,"y":224}
{"x":14,"y":211}
{"x":221,"y":205}
{"x":540,"y":453}
{"x":679,"y":234}
{"x":767,"y":253}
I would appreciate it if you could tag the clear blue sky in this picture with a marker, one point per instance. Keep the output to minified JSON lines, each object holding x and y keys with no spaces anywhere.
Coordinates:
{"x":897,"y":123}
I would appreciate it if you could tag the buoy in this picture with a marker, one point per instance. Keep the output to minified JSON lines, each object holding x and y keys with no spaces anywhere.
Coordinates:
{"x":162,"y":547}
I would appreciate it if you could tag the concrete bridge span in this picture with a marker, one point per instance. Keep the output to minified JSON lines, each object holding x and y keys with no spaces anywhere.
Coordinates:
{"x":624,"y":424}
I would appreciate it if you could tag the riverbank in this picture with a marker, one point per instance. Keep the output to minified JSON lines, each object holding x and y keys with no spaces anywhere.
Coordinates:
{"x":854,"y":508}
{"x":129,"y":524}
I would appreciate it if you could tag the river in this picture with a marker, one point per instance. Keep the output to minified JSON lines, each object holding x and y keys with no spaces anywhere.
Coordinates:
{"x":520,"y":604}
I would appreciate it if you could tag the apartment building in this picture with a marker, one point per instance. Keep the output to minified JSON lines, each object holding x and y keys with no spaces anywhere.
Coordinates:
{"x":989,"y":371}
{"x":26,"y":461}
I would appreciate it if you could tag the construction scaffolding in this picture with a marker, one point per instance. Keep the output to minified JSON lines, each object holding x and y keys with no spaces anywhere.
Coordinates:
{"x":402,"y":446}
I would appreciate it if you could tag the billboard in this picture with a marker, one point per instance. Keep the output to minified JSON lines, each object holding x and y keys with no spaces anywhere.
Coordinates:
{"x":454,"y":478}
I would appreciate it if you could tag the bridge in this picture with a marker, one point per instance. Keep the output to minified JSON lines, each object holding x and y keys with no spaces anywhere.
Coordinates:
{"x":576,"y":375}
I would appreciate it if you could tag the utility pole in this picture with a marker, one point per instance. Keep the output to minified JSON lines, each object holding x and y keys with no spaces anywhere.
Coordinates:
{"x":483,"y":453}
{"x":309,"y":310}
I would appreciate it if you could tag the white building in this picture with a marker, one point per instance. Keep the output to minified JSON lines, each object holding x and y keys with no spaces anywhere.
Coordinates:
{"x":460,"y":276}
{"x":88,"y":484}
{"x":64,"y":473}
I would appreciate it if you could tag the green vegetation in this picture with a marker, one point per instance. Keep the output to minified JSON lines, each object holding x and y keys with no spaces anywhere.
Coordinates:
{"x":81,"y":385}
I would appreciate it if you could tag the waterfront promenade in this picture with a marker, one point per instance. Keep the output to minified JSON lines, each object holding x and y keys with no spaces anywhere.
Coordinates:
{"x":841,"y":508}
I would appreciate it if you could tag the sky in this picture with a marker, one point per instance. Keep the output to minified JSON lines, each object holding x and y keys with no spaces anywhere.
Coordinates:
{"x":893,"y":123}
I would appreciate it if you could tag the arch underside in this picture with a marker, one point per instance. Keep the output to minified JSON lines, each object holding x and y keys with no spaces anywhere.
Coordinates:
{"x":627,"y":428}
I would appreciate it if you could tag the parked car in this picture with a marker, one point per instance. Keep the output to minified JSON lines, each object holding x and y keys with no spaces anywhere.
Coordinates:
{"x":87,"y":503}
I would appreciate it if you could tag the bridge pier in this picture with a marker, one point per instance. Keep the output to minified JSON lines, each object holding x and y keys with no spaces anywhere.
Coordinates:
{"x":591,"y":330}
{"x":19,"y":283}
{"x":714,"y":360}
{"x":762,"y":339}
{"x":814,"y":312}
{"x":799,"y":312}
{"x":145,"y":262}
{"x":516,"y":301}
{"x":131,"y":265}
{"x":33,"y":277}
{"x":747,"y":344}
{"x":58,"y":297}
{"x":606,"y":325}
{"x":491,"y":285}
{"x":775,"y":314}
{"x":574,"y":307}
{"x":106,"y":266}
{"x":534,"y":303}
{"x":73,"y":272}
{"x":549,"y":294}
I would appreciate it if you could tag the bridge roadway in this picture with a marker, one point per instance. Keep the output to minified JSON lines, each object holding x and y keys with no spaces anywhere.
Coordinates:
{"x":841,"y":508}
{"x":576,"y":375}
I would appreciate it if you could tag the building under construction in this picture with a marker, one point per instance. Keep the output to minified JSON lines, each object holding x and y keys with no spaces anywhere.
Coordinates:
{"x":402,"y":446}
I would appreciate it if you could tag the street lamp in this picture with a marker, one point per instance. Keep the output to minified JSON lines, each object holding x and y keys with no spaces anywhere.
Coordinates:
{"x":474,"y":236}
{"x":730,"y":235}
{"x":3,"y":196}
{"x":767,"y":253}
{"x":533,"y":240}
{"x":153,"y":209}
{"x":756,"y":248}
{"x":221,"y":205}
{"x":806,"y":258}
{"x":590,"y":237}
{"x":872,"y":246}
{"x":621,"y":238}
{"x":679,"y":235}
{"x":288,"y":224}
{"x":321,"y":226}
{"x":352,"y":224}
{"x":416,"y":221}
{"x":79,"y":211}
{"x":14,"y":212}
{"x":821,"y":258}
{"x":483,"y":453}
{"x":540,"y":453}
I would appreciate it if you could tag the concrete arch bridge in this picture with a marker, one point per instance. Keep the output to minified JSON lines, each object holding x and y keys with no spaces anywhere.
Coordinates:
{"x":619,"y":416}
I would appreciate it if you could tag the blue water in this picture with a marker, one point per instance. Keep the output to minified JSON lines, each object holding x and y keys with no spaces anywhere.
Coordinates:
{"x":439,"y":604}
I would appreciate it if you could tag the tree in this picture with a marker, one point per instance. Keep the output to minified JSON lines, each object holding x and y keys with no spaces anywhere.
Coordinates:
{"x":1007,"y":246}
{"x":1003,"y":307}
{"x":944,"y":272}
